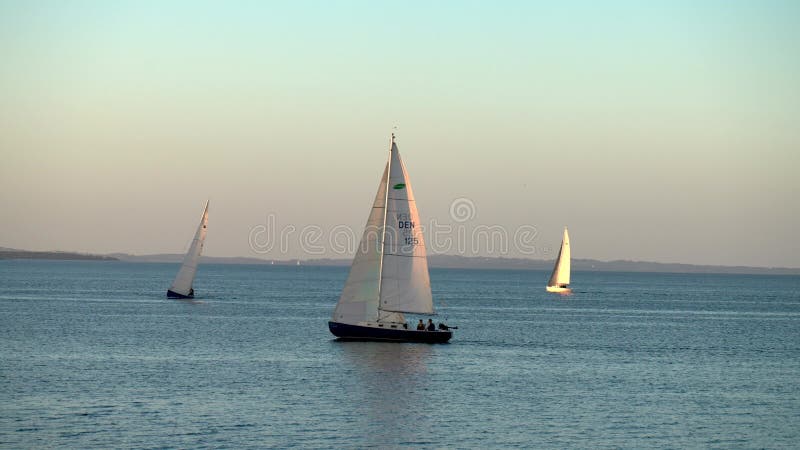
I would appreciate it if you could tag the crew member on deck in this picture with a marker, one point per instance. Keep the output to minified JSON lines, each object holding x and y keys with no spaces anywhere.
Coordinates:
{"x":431,"y":326}
{"x":420,"y":325}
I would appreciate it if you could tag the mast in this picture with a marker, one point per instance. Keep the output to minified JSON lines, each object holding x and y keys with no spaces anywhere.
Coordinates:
{"x":383,"y":228}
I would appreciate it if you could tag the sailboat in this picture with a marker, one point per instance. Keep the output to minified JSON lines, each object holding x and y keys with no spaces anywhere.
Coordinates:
{"x":559,"y":280}
{"x":182,"y":286}
{"x":389,"y":275}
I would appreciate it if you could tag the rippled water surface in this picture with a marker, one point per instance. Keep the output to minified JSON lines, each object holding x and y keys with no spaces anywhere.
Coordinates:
{"x":93,"y":355}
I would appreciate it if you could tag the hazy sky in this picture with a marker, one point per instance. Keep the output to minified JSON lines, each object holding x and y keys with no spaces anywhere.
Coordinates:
{"x":665,"y":131}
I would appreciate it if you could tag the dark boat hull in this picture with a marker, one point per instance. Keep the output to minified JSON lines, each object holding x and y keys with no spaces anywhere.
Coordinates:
{"x":172,"y":294}
{"x":346,"y":331}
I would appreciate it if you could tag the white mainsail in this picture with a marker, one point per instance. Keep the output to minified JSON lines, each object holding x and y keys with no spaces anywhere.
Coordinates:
{"x":389,"y":275}
{"x":405,"y":283}
{"x":183,"y":281}
{"x":560,"y":276}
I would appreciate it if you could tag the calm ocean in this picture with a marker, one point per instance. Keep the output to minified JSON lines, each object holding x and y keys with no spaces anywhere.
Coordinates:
{"x":93,"y":356}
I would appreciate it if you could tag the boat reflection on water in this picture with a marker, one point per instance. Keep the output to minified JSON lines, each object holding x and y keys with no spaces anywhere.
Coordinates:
{"x":385,"y":358}
{"x":190,"y":301}
{"x":391,"y":382}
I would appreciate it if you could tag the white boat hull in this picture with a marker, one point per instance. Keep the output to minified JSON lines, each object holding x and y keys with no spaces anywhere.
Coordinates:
{"x":559,"y":289}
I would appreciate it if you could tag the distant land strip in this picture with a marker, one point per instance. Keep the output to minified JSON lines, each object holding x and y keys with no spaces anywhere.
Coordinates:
{"x":435,"y":261}
{"x":68,"y":256}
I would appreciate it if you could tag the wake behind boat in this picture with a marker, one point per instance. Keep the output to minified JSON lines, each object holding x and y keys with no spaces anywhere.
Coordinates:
{"x":182,"y":286}
{"x":389,"y":275}
{"x":559,"y":280}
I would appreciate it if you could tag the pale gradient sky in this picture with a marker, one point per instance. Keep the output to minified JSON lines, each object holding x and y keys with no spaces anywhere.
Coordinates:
{"x":665,"y":131}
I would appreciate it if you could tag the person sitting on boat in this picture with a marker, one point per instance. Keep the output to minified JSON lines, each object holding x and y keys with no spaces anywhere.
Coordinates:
{"x":420,"y":325}
{"x":443,"y":327}
{"x":431,"y":326}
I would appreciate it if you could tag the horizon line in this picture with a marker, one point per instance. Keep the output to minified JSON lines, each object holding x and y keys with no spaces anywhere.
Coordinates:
{"x":344,"y":259}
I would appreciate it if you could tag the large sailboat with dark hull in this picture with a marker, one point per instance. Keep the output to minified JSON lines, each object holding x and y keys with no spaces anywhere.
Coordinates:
{"x":182,"y":286}
{"x":389,"y":276}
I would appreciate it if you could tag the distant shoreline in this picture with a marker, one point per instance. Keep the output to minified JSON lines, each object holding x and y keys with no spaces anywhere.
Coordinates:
{"x":55,"y":255}
{"x":435,"y":261}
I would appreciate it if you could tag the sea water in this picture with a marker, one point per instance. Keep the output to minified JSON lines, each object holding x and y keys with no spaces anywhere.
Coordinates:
{"x":92,"y":355}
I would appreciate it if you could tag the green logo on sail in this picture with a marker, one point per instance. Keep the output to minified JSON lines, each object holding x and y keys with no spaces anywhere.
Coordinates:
{"x":399,"y":186}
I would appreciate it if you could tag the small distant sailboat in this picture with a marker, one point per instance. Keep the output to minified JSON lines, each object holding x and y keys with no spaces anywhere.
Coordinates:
{"x":559,"y":280}
{"x":389,"y":275}
{"x":182,"y":286}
